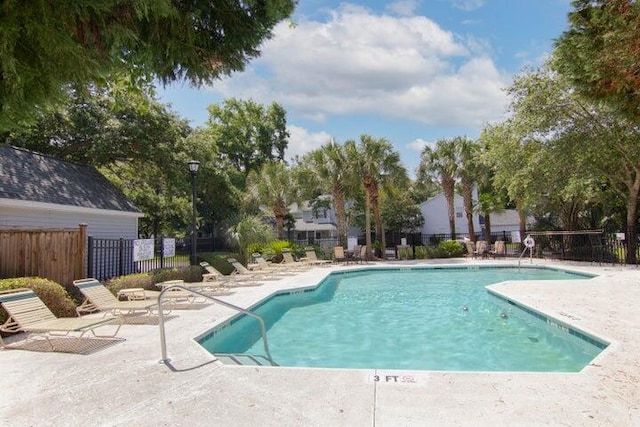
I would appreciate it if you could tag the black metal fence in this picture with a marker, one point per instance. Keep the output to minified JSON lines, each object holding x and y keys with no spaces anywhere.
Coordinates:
{"x":598,"y":247}
{"x":107,"y":258}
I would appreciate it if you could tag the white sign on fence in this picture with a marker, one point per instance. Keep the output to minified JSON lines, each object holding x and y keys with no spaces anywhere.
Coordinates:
{"x":142,"y":249}
{"x":352,"y":242}
{"x":169,"y":248}
{"x":515,"y":237}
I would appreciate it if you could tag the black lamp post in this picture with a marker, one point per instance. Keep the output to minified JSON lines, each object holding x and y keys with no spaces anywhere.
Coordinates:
{"x":193,"y":168}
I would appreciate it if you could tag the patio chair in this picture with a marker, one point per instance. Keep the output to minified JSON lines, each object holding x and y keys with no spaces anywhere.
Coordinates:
{"x":471,"y":248}
{"x":211,"y":288}
{"x":482,"y":248}
{"x":499,"y":249}
{"x":264,"y":265}
{"x":99,"y":298}
{"x":360,"y":255}
{"x":242,"y":273}
{"x":27,"y":313}
{"x":312,"y":258}
{"x":288,"y":261}
{"x":213,"y":274}
{"x":339,"y":254}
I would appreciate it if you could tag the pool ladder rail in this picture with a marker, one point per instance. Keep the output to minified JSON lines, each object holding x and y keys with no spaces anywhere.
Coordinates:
{"x":236,"y":358}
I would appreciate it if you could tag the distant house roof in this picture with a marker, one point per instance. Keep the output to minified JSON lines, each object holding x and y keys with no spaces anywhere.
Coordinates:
{"x":31,"y":177}
{"x":302,"y":225}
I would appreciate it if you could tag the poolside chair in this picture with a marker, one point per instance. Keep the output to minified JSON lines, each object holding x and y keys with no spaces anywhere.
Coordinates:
{"x":482,"y":249}
{"x":499,"y":249}
{"x":471,"y":248}
{"x":211,"y":288}
{"x":27,"y":313}
{"x":214,"y":275}
{"x":262,"y":264}
{"x":288,"y":261}
{"x":242,"y":273}
{"x":339,"y":254}
{"x":313,"y":259}
{"x":360,"y":254}
{"x":99,"y":298}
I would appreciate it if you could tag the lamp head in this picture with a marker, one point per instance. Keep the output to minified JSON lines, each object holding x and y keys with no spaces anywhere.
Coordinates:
{"x":193,"y":166}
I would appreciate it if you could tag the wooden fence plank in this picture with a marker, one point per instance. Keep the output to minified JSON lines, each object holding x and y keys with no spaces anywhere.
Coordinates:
{"x":55,"y":254}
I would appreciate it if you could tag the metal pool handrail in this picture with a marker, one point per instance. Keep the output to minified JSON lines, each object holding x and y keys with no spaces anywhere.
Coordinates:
{"x":163,"y":341}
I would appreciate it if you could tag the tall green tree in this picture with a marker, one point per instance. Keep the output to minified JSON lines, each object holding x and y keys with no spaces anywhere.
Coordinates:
{"x":100,"y":126}
{"x":582,"y":146}
{"x":46,"y":45}
{"x":274,"y":187}
{"x":440,"y":163}
{"x":249,"y":134}
{"x":375,"y":161}
{"x":329,"y":164}
{"x":467,"y":153}
{"x":513,"y":162}
{"x":400,"y":213}
{"x":599,"y":53}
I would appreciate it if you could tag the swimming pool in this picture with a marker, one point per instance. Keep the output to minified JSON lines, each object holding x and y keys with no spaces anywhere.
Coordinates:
{"x":411,"y":318}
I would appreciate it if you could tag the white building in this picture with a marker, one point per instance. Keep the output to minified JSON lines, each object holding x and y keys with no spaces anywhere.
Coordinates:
{"x":38,"y":191}
{"x":314,"y":226}
{"x":436,"y":218}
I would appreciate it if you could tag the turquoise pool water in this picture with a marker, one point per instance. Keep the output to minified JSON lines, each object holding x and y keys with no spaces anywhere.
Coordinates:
{"x":427,"y":318}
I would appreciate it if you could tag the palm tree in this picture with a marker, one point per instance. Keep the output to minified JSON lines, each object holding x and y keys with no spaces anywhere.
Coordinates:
{"x":329,"y":163}
{"x":467,"y":155}
{"x":377,"y":163}
{"x":441,"y":163}
{"x":274,"y":187}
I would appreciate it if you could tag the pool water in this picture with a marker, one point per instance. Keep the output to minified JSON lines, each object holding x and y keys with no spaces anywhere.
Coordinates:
{"x":428,"y":318}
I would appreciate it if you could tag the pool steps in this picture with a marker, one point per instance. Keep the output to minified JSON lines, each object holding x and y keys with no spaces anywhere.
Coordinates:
{"x":244,"y":359}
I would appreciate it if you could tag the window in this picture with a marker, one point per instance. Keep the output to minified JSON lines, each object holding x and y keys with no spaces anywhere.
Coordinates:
{"x":458,"y":214}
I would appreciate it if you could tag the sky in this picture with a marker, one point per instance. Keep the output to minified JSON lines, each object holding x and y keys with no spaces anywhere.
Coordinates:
{"x":410,"y":71}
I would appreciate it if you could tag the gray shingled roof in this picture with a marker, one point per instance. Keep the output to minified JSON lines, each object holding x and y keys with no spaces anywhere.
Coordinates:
{"x":29,"y":176}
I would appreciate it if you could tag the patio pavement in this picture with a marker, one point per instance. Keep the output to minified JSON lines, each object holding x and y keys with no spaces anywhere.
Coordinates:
{"x":124,"y":383}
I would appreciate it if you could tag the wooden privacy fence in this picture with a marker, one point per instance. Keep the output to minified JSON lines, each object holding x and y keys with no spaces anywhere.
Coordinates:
{"x":56,"y":254}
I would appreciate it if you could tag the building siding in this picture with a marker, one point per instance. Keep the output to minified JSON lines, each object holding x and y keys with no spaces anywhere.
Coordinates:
{"x":436,"y":217}
{"x":98,"y":225}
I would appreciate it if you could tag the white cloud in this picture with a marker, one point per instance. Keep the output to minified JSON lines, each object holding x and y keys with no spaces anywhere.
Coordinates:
{"x":301,"y":141}
{"x":360,"y":63}
{"x":467,"y":5}
{"x":402,"y":7}
{"x":418,"y":145}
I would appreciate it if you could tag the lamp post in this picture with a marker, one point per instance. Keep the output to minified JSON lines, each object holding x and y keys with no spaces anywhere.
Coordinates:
{"x":193,"y":168}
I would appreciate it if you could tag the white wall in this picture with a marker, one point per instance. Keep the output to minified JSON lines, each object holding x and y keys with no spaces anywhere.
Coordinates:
{"x":436,"y":216}
{"x":110,"y":224}
{"x":508,"y":221}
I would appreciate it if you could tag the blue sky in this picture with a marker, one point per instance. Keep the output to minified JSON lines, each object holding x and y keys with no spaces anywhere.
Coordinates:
{"x":410,"y":71}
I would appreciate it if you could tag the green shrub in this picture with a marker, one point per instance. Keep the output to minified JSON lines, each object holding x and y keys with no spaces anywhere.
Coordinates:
{"x":51,"y":293}
{"x":138,"y":280}
{"x":189,"y":274}
{"x":252,"y":248}
{"x":276,"y":247}
{"x":451,"y":249}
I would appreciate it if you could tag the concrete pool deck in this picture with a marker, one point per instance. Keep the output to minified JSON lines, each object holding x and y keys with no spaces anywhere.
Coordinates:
{"x":123,"y":383}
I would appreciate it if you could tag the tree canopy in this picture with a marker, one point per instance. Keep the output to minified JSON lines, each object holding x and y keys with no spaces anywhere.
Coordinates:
{"x":599,"y":52}
{"x":249,"y":134}
{"x":46,"y":45}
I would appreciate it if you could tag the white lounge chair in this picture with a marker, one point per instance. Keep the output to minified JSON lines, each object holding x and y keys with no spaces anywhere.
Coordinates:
{"x":98,"y":298}
{"x":233,"y":280}
{"x":312,"y":258}
{"x":27,"y":313}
